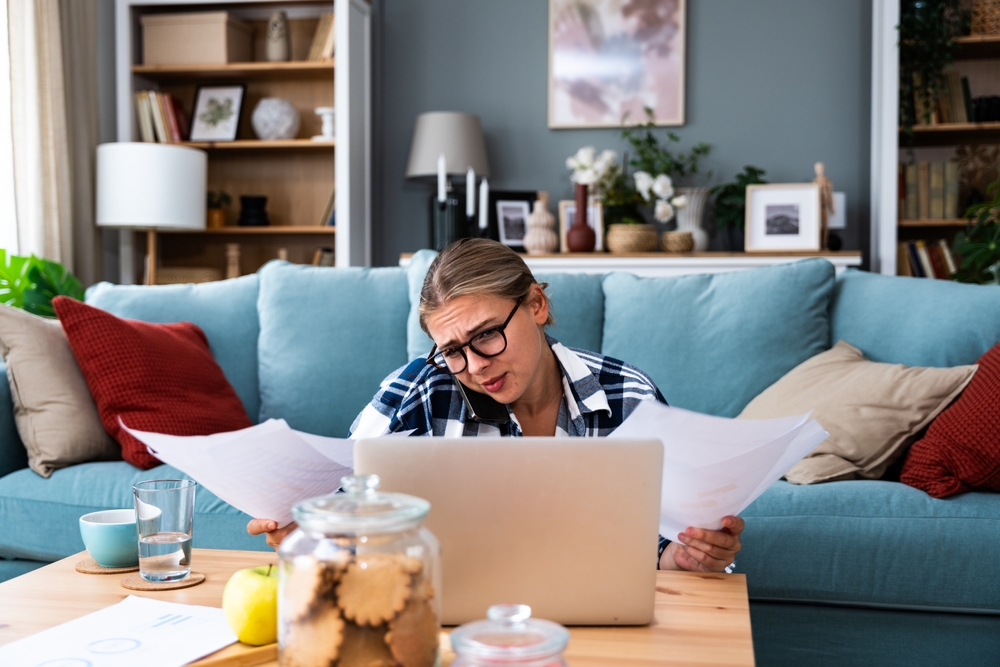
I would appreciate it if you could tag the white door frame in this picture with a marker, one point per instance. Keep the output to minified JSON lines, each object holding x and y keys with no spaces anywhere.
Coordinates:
{"x":884,"y":136}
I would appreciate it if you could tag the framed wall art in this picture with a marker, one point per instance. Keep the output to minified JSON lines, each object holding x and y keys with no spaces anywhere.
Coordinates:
{"x":512,"y":222}
{"x":782,"y":216}
{"x":595,"y":220}
{"x":611,"y":59}
{"x":216,"y":115}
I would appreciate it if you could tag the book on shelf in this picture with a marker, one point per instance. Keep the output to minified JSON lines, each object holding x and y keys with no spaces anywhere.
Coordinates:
{"x":323,"y":256}
{"x":323,"y":39}
{"x":328,"y":213}
{"x":925,"y":259}
{"x":956,"y":99}
{"x":937,"y":190}
{"x":967,"y":99}
{"x":923,"y":190}
{"x":926,"y":267}
{"x":911,"y":211}
{"x":161,"y":117}
{"x":144,"y":117}
{"x":950,"y":189}
{"x":930,"y":191}
{"x":949,"y":258}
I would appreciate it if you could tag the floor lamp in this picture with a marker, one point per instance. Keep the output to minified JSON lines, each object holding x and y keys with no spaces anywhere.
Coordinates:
{"x":149,"y":186}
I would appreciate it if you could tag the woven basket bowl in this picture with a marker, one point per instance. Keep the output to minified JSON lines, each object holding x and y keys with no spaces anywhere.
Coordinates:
{"x":677,"y":241}
{"x":631,"y":238}
{"x":985,"y":17}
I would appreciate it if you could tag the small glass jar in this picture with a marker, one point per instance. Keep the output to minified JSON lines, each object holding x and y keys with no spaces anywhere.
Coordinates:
{"x":509,"y":637}
{"x":359,"y":581}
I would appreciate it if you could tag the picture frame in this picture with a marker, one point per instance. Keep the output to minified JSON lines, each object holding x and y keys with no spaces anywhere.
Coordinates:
{"x":217,"y":111}
{"x":782,"y":217}
{"x":595,"y":220}
{"x":512,"y":221}
{"x":609,"y":61}
{"x":528,"y":197}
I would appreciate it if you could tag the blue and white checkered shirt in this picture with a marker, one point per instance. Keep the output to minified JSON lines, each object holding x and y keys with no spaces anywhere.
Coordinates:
{"x":599,"y":393}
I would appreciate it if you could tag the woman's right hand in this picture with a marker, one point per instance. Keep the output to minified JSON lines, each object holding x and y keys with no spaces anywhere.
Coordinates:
{"x":274,"y":535}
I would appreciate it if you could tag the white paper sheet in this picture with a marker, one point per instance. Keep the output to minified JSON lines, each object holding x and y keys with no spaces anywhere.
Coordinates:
{"x":136,"y":631}
{"x":262,"y":470}
{"x":714,"y":467}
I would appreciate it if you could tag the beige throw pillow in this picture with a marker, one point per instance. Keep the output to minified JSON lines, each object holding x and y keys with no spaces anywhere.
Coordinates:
{"x":873,"y":411}
{"x":53,"y":409}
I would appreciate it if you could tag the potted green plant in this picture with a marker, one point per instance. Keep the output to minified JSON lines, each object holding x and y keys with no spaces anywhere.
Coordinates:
{"x":730,"y":206}
{"x":216,"y":205}
{"x":30,"y":283}
{"x":979,"y":245}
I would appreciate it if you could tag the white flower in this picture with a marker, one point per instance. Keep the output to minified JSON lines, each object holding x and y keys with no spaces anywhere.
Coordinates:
{"x":663,"y":211}
{"x":679,"y":202}
{"x":584,"y":159}
{"x":585,"y":176}
{"x":663,"y":187}
{"x":643,"y":183}
{"x":604,"y":162}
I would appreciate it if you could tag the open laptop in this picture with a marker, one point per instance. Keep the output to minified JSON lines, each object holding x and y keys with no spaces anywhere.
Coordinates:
{"x":566,"y":525}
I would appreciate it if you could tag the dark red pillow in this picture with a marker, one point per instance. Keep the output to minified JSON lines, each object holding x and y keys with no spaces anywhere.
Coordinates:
{"x":961,"y":450}
{"x":156,"y":377}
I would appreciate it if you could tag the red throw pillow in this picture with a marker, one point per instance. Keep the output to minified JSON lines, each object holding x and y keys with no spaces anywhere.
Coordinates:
{"x":961,"y":450}
{"x":156,"y":377}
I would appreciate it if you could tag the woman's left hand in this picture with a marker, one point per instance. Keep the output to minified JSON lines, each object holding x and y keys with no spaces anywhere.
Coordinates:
{"x":704,"y":550}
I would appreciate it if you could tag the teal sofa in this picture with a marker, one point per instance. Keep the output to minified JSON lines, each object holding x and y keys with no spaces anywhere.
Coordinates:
{"x":858,"y":573}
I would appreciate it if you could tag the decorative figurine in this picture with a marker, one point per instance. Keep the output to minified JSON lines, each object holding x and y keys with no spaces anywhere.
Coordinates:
{"x":825,"y":204}
{"x":278,"y":49}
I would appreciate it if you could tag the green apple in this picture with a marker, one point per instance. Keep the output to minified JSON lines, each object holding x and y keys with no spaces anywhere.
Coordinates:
{"x":250,"y":602}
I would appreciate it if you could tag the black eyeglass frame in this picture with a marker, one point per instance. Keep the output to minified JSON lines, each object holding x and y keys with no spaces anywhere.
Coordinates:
{"x":460,"y":348}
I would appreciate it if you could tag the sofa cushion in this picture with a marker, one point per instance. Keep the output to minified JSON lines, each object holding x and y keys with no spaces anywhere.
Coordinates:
{"x":915,"y":321}
{"x":872,"y":543}
{"x":577,"y":305}
{"x":226,"y":311}
{"x":327,"y":340}
{"x":961,"y":450}
{"x":713,"y":342}
{"x":41,"y":516}
{"x":151,"y":377}
{"x":13,"y":455}
{"x":872,"y":411}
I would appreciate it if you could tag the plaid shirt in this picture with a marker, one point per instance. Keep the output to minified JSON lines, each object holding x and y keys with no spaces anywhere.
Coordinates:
{"x":599,"y":393}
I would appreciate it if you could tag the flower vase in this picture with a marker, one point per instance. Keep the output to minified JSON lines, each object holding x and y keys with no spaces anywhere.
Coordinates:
{"x":540,"y":237}
{"x":580,"y":237}
{"x":689,"y":217}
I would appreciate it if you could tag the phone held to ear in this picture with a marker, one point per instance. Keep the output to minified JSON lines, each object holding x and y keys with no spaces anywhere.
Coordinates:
{"x":482,"y":407}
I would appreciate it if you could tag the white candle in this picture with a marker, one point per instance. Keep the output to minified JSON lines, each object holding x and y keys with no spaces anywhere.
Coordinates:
{"x":442,"y":178}
{"x":470,"y":193}
{"x":484,"y":204}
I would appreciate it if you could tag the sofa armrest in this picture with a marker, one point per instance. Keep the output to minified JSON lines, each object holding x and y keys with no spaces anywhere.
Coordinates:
{"x":13,"y":456}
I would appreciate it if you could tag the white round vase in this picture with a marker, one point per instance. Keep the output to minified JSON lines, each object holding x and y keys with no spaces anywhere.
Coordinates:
{"x":274,"y":119}
{"x":540,"y":237}
{"x":689,"y":217}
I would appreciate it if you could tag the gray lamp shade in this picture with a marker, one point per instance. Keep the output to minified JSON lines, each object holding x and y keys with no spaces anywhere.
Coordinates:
{"x":457,"y":136}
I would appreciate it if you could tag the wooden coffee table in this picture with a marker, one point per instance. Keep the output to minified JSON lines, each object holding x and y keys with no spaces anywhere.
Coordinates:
{"x":701,"y":619}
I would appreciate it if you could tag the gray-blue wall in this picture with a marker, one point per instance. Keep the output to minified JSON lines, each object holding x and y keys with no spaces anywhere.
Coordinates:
{"x":778,"y":84}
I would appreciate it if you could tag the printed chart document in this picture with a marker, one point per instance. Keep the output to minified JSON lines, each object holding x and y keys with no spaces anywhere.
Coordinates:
{"x":262,"y":470}
{"x":713,"y":466}
{"x":136,"y":631}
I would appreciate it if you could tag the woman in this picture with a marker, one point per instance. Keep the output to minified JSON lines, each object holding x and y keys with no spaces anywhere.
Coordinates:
{"x":494,"y":371}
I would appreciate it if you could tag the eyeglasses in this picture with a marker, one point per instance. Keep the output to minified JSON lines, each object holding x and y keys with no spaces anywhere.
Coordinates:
{"x":487,"y":343}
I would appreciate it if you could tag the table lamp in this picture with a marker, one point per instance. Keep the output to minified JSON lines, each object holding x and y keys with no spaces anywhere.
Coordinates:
{"x":149,"y":186}
{"x":445,"y":144}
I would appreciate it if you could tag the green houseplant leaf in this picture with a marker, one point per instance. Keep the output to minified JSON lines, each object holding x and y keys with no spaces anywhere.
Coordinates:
{"x":979,"y":244}
{"x":731,"y":198}
{"x":32,"y":282}
{"x":13,"y":278}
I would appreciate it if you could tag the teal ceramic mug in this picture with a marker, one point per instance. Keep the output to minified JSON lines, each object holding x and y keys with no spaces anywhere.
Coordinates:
{"x":111,"y":537}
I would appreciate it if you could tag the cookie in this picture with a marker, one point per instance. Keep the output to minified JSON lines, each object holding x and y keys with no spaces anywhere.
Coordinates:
{"x":423,"y":589}
{"x":304,"y":585}
{"x":373,"y":589}
{"x":365,"y":647}
{"x":413,"y":635}
{"x":315,"y":641}
{"x":411,"y":565}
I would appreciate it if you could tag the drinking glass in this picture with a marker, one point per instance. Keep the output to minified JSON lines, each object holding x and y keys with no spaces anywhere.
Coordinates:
{"x":164,"y":510}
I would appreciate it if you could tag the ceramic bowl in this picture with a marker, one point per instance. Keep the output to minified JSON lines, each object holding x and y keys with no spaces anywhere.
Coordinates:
{"x":111,"y":537}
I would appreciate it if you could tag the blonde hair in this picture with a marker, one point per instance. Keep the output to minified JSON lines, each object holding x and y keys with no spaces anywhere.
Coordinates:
{"x":476,"y":267}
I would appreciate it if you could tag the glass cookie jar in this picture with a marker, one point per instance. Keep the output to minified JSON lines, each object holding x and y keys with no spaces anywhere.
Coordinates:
{"x":358,"y":581}
{"x":509,"y":637}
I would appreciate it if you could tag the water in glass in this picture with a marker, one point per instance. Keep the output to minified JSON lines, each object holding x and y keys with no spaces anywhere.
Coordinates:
{"x":165,"y":556}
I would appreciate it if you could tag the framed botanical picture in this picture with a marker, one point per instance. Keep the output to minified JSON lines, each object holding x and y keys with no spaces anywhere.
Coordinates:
{"x":782,"y":216}
{"x":512,"y":222}
{"x":610,"y":60}
{"x":216,"y":115}
{"x":567,"y":218}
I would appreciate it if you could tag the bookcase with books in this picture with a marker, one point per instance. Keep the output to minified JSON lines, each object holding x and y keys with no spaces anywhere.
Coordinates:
{"x":300,"y":176}
{"x":944,"y":164}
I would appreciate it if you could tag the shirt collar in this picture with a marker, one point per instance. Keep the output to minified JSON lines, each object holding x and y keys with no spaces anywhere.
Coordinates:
{"x":580,"y":386}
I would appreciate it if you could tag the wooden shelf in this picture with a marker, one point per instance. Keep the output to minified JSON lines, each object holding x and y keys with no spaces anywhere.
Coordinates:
{"x":934,"y":222}
{"x":257,"y":144}
{"x":252,"y":70}
{"x":255,"y":231}
{"x":974,"y":47}
{"x":944,"y":134}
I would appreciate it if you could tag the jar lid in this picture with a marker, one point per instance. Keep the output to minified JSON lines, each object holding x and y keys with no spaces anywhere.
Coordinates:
{"x":510,"y":635}
{"x":360,"y":509}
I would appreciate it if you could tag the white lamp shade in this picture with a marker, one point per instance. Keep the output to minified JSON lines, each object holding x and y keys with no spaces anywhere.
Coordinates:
{"x":155,"y":186}
{"x":457,"y":136}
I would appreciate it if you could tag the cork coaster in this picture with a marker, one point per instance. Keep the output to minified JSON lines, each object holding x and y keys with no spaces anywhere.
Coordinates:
{"x":90,"y":566}
{"x":135,"y":582}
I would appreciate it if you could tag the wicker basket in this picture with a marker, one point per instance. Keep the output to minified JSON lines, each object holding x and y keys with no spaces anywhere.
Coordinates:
{"x":677,"y":241}
{"x":625,"y":238}
{"x":985,"y":17}
{"x":177,"y":275}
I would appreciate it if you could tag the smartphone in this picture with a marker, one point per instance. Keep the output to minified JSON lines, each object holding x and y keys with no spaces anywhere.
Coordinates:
{"x":482,"y":407}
